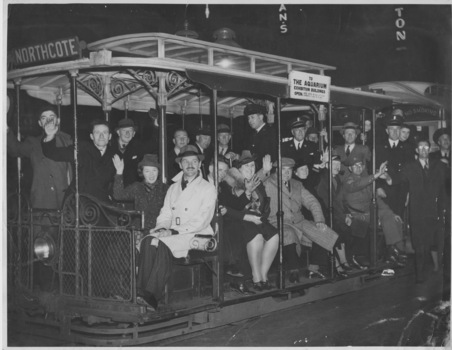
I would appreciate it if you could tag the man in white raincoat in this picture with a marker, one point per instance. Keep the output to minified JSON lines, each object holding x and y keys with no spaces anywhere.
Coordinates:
{"x":187,"y":211}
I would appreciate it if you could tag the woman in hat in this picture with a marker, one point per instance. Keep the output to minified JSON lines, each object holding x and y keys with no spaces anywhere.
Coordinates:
{"x":149,"y":194}
{"x":250,"y":205}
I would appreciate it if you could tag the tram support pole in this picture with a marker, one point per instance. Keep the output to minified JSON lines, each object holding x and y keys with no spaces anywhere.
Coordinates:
{"x":218,"y":261}
{"x":162,"y":102}
{"x":363,"y":124}
{"x":330,"y":184}
{"x":19,"y":160}
{"x":373,"y":241}
{"x":74,"y":74}
{"x":280,"y":214}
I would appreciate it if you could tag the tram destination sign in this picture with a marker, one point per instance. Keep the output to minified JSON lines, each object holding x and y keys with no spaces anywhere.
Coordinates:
{"x":312,"y":87}
{"x":56,"y":50}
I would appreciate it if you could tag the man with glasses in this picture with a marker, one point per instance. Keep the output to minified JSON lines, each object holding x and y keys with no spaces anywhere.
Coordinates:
{"x":426,"y":183}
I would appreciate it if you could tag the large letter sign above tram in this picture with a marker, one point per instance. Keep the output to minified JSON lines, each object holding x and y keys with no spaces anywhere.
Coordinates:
{"x":50,"y":51}
{"x":312,"y":87}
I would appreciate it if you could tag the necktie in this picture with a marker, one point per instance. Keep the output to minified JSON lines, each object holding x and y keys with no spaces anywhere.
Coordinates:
{"x":347,"y":152}
{"x":299,"y":146}
{"x":287,"y":184}
{"x":184,"y":184}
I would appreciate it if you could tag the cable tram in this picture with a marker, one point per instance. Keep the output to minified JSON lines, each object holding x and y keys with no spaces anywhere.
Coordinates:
{"x":166,"y":73}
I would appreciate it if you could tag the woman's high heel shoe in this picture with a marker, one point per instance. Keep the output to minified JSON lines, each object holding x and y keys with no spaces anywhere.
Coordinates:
{"x":340,"y":271}
{"x":346,"y":267}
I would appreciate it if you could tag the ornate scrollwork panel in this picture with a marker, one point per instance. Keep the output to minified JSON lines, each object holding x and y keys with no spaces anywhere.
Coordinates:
{"x":93,"y":84}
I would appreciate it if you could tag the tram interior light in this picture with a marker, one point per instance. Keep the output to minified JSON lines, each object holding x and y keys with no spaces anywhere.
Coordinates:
{"x":225,"y":62}
{"x":44,"y":248}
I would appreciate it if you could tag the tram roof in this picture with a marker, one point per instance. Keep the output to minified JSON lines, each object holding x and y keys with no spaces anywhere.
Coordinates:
{"x":109,"y":76}
{"x":415,"y":92}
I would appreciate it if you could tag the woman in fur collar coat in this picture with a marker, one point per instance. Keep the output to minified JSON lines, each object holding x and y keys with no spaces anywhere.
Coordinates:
{"x":250,"y":205}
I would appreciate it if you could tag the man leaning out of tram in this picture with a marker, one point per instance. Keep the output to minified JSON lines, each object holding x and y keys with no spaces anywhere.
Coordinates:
{"x":96,"y":169}
{"x":357,"y":201}
{"x":298,"y":230}
{"x":148,"y":195}
{"x":188,"y":210}
{"x":50,"y":178}
{"x":246,"y":227}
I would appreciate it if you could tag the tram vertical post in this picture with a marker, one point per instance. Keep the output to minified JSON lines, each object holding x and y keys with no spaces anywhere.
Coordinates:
{"x":74,"y":74}
{"x":280,"y":214}
{"x":363,"y":124}
{"x":218,"y":261}
{"x":162,"y":102}
{"x":19,"y":160}
{"x":330,"y":182}
{"x":19,"y":177}
{"x":373,"y":241}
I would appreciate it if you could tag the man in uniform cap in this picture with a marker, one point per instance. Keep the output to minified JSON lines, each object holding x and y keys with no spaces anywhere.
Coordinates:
{"x":203,"y":140}
{"x":442,"y":138}
{"x":298,"y":148}
{"x":263,"y":138}
{"x":350,"y":131}
{"x":397,"y":154}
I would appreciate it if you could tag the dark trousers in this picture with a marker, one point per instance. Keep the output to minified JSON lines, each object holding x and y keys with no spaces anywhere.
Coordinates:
{"x":154,"y":268}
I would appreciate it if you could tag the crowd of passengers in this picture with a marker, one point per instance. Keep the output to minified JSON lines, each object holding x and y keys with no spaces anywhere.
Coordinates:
{"x":406,"y":174}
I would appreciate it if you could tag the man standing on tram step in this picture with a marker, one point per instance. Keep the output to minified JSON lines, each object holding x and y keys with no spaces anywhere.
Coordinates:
{"x":180,"y":140}
{"x":263,"y":138}
{"x":96,"y":169}
{"x":203,"y":140}
{"x":397,"y":154}
{"x":426,"y":184}
{"x":128,"y":149}
{"x":188,"y":210}
{"x":350,"y":131}
{"x":442,"y":138}
{"x":50,"y":178}
{"x":50,"y":181}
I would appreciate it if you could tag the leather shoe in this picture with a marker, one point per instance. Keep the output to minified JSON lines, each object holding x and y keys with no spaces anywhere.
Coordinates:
{"x":315,"y":274}
{"x":241,"y":288}
{"x":257,"y":286}
{"x":346,"y":267}
{"x":266,"y":285}
{"x":355,"y":263}
{"x":294,"y":277}
{"x":341,"y":272}
{"x":392,"y":259}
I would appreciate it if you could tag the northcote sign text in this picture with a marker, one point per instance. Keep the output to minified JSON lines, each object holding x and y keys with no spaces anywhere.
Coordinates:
{"x":312,"y":87}
{"x":49,"y":51}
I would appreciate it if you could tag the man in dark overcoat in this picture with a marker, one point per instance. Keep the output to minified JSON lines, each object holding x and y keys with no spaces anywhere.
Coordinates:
{"x":263,"y":139}
{"x":129,"y":149}
{"x":426,"y":180}
{"x":397,"y":154}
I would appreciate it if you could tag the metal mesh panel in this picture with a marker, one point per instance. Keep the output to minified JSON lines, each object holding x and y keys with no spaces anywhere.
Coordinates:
{"x":19,"y":266}
{"x":97,"y":263}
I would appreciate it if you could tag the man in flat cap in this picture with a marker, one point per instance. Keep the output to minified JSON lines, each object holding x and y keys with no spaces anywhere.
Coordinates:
{"x":203,"y":139}
{"x":350,"y":131}
{"x":263,"y":138}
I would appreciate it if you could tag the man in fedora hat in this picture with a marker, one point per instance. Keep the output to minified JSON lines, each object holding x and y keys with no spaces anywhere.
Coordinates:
{"x":224,"y":137}
{"x":263,"y":139}
{"x":298,"y":230}
{"x":128,"y":149}
{"x":180,"y":140}
{"x":188,"y":209}
{"x":203,"y":140}
{"x":442,"y":138}
{"x":350,"y":131}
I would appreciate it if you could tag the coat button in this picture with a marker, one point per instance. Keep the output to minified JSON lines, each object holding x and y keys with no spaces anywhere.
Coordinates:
{"x":173,"y":208}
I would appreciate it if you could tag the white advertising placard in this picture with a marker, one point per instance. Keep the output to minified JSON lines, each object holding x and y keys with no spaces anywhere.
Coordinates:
{"x":312,"y":87}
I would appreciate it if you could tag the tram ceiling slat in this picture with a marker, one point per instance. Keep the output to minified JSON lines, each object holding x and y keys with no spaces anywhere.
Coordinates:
{"x":223,"y":82}
{"x":338,"y":97}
